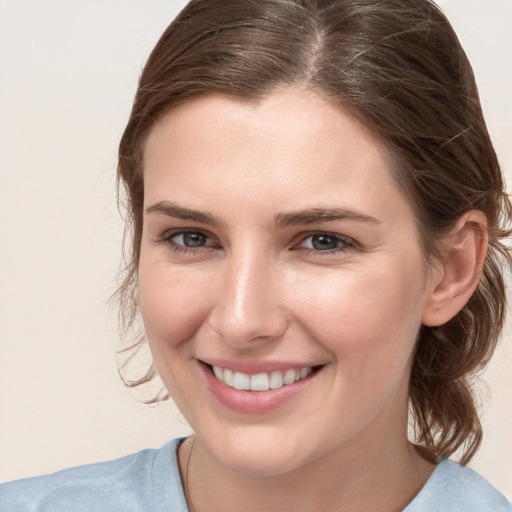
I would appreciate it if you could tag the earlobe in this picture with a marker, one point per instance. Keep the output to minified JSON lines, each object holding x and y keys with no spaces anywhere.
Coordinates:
{"x":457,"y":272}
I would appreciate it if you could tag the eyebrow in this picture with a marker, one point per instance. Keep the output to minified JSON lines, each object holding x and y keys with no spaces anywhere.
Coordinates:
{"x":282,"y":220}
{"x":314,"y":215}
{"x":179,"y":212}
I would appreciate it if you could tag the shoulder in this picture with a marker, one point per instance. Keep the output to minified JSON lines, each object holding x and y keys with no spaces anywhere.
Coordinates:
{"x":146,"y":480}
{"x":453,"y":488}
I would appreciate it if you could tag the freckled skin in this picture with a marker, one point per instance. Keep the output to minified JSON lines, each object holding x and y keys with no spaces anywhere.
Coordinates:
{"x":254,"y":291}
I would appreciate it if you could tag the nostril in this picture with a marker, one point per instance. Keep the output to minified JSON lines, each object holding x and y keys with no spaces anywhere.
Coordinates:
{"x":260,"y":328}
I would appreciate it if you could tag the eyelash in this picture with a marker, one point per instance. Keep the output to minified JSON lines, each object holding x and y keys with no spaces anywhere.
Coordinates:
{"x":168,"y":239}
{"x":345,"y":244}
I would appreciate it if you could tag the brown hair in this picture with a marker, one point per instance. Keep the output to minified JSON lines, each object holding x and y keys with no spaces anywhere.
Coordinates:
{"x":399,"y":67}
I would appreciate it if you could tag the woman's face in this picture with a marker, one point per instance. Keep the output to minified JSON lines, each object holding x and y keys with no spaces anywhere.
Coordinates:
{"x":278,"y":253}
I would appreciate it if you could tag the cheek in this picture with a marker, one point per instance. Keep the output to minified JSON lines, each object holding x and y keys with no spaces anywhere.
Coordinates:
{"x":369,"y":324}
{"x":365,"y":319}
{"x":172,"y":310}
{"x":171,"y":307}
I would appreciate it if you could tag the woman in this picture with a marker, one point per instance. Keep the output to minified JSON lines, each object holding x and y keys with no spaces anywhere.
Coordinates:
{"x":316,"y":218}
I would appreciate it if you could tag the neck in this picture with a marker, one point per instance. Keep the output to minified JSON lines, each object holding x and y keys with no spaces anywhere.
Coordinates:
{"x":373,"y":474}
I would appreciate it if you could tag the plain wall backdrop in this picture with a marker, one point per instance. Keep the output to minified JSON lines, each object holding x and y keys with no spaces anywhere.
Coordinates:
{"x":68,"y":71}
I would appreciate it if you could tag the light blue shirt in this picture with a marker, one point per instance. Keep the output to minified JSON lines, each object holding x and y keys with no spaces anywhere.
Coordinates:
{"x":149,"y":481}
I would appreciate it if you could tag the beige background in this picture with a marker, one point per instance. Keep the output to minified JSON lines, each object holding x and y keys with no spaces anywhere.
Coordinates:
{"x":67,"y":76}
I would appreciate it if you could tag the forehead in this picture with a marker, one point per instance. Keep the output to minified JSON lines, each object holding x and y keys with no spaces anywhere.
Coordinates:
{"x":290,"y":147}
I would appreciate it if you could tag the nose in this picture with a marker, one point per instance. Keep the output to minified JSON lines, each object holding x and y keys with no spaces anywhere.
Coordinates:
{"x":249,"y":306}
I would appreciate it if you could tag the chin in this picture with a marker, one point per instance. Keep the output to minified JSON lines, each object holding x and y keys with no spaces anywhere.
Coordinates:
{"x":258,"y":464}
{"x":260,"y":454}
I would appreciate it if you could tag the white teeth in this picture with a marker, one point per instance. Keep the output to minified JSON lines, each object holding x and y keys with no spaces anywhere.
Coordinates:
{"x":289,"y":377}
{"x":228,"y":377}
{"x":241,"y":381}
{"x":276,"y":380}
{"x":260,"y":381}
{"x":219,"y":372}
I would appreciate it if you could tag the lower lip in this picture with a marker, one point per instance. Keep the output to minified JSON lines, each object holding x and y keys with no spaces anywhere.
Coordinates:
{"x":254,"y":402}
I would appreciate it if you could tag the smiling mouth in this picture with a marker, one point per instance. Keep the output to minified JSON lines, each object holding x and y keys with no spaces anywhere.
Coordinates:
{"x":262,"y":381}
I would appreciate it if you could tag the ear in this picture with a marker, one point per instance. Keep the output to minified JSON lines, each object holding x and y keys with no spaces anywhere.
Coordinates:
{"x":457,"y":272}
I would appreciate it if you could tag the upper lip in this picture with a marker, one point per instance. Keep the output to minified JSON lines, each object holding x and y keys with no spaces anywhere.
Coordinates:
{"x":255,"y":367}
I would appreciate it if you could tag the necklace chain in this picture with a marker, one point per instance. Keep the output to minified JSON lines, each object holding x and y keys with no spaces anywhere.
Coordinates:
{"x":187,"y":465}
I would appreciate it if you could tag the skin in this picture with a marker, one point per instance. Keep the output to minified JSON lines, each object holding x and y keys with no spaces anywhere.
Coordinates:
{"x":258,"y":289}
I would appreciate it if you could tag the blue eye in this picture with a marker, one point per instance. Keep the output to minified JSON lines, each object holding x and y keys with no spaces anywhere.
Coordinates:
{"x":189,"y":239}
{"x":325,"y":242}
